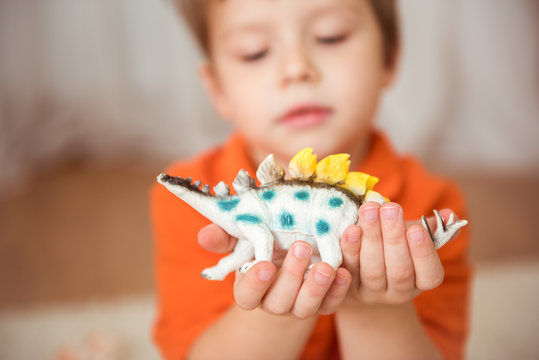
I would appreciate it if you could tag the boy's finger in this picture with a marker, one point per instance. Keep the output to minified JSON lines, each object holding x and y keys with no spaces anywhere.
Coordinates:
{"x":429,"y":272}
{"x":350,"y":245}
{"x":314,"y":290}
{"x":212,"y":238}
{"x":399,"y":266}
{"x":282,"y":294}
{"x":372,"y":270}
{"x":250,"y":288}
{"x":337,"y":292}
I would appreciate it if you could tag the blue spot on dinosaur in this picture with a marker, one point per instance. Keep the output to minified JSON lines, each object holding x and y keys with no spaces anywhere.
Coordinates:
{"x":268,"y":195}
{"x":335,"y":202}
{"x":322,"y":227}
{"x":228,"y":205}
{"x":287,"y":220}
{"x":302,"y":195}
{"x":249,"y":218}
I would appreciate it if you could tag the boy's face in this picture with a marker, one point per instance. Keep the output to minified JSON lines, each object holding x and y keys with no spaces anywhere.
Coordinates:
{"x":291,"y":74}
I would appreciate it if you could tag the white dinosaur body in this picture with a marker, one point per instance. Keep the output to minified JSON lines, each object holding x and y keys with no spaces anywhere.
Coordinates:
{"x":301,"y":212}
{"x":274,"y":216}
{"x":280,"y":212}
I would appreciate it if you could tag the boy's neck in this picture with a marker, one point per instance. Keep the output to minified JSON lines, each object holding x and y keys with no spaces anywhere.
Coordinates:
{"x":357,"y":153}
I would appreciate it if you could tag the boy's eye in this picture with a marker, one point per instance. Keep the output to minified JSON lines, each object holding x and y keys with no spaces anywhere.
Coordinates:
{"x":331,"y":39}
{"x":254,"y":56}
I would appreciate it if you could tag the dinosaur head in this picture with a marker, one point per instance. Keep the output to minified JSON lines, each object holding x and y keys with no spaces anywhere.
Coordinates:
{"x":179,"y":186}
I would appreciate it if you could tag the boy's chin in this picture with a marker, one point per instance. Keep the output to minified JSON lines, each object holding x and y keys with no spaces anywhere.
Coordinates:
{"x":286,"y":143}
{"x":285,"y":150}
{"x":326,"y":144}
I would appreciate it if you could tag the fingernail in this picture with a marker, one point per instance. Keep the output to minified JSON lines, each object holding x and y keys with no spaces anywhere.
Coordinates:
{"x":341,"y":280}
{"x":302,"y":251}
{"x":390,"y":212}
{"x":320,"y":277}
{"x":416,"y":235}
{"x":265,"y":275}
{"x":353,"y":237}
{"x":371,"y":213}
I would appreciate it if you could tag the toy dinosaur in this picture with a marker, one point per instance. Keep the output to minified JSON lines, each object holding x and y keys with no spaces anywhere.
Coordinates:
{"x":316,"y":205}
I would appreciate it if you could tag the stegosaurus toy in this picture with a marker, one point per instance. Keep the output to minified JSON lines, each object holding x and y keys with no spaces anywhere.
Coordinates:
{"x":316,"y":205}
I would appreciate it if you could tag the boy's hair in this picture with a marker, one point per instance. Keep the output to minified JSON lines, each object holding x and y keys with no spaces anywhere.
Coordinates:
{"x":195,"y":14}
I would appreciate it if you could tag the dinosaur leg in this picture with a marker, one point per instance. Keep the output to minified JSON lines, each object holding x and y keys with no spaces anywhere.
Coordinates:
{"x":330,"y":250}
{"x":444,"y":232}
{"x":262,"y":240}
{"x":242,"y":253}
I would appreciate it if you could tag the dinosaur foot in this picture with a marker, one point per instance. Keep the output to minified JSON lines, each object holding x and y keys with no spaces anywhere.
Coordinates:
{"x":444,"y":231}
{"x":245,"y":267}
{"x":307,"y":271}
{"x":213,"y":273}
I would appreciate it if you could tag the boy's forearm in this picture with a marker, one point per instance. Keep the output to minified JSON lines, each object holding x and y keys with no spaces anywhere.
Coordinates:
{"x":241,"y":334}
{"x":383,"y":332}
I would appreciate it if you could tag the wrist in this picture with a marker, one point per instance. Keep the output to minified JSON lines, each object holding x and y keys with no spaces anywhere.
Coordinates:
{"x":277,"y":321}
{"x":356,"y":306}
{"x":386,"y":331}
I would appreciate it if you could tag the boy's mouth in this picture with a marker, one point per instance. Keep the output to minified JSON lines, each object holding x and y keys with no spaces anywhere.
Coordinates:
{"x":304,"y":116}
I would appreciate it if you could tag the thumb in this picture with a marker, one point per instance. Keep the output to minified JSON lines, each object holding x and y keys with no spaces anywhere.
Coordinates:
{"x":213,"y":238}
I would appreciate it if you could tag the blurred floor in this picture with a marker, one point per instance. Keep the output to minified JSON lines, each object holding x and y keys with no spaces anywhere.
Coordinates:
{"x":122,"y":326}
{"x":77,"y":233}
{"x":81,"y":235}
{"x":503,"y":214}
{"x":505,"y":314}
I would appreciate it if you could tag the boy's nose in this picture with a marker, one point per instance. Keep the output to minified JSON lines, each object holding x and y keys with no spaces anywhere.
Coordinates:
{"x":297,"y":67}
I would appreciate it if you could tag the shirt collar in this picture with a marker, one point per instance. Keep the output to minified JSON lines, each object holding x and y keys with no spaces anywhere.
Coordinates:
{"x":381,"y":161}
{"x":235,"y":157}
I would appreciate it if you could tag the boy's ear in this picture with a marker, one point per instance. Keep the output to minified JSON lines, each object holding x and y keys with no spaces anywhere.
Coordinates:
{"x":391,"y":69}
{"x":213,"y":86}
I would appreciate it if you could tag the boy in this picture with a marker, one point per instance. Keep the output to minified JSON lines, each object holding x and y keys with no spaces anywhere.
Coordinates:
{"x":291,"y":74}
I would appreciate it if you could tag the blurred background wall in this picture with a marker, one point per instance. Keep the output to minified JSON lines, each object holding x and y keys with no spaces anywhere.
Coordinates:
{"x":96,"y":97}
{"x":117,"y":79}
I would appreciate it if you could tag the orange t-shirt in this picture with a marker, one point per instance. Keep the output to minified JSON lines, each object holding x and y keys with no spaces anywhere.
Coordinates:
{"x":188,"y":304}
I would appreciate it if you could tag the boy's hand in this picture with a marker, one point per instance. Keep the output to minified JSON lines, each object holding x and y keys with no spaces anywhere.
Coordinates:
{"x":389,"y":263}
{"x":383,"y":263}
{"x":284,"y":290}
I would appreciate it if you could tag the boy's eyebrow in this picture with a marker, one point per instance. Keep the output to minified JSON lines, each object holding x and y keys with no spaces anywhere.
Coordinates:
{"x":245,"y":27}
{"x":334,"y":8}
